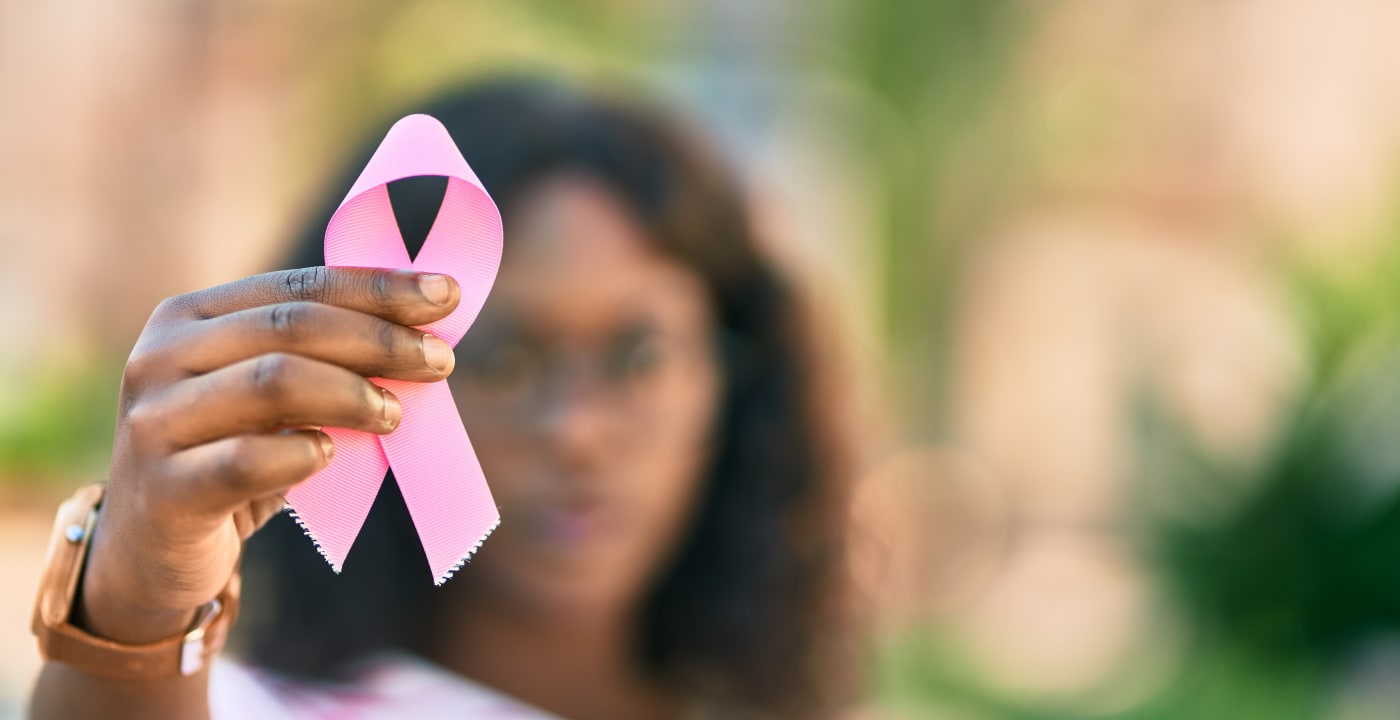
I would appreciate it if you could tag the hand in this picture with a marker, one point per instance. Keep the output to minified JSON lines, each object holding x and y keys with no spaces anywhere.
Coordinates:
{"x":218,"y":416}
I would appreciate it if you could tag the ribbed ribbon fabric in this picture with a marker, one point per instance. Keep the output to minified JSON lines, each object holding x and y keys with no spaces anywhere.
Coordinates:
{"x":432,"y":457}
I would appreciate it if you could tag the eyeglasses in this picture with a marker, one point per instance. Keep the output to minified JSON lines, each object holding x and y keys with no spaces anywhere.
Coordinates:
{"x":521,"y":378}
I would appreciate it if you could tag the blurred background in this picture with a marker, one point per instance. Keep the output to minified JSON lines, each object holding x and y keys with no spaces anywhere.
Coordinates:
{"x":1117,"y":286}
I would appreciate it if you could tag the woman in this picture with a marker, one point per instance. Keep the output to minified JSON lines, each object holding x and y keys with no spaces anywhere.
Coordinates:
{"x":642,"y":398}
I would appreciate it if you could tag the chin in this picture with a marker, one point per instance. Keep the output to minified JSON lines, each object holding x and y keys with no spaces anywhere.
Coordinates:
{"x":560,"y":600}
{"x":557,"y":589}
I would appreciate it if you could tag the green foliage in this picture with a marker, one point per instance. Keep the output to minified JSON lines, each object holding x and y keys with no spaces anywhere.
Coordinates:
{"x":1284,"y":571}
{"x":60,"y":425}
{"x":1299,"y":575}
{"x":919,"y":677}
{"x":938,"y":69}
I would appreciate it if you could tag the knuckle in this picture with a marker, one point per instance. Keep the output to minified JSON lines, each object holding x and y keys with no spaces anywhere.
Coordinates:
{"x":238,"y":466}
{"x":306,"y":283}
{"x":381,"y":288}
{"x":138,"y":365}
{"x":287,"y":319}
{"x":269,"y":373}
{"x":141,"y":419}
{"x":175,"y":305}
{"x":167,"y":307}
{"x":181,"y":307}
{"x":390,"y":342}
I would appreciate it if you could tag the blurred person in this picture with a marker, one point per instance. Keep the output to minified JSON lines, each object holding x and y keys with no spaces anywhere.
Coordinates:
{"x":643,"y":397}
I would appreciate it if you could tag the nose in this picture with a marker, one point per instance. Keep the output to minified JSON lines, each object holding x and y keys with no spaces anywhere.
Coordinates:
{"x":573,"y":418}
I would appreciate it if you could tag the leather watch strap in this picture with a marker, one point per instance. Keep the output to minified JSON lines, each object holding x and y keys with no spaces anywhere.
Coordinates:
{"x":184,"y":654}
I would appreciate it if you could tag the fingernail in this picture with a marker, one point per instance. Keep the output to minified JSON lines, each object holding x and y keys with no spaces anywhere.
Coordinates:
{"x":327,"y":446}
{"x":393,"y":412}
{"x":435,"y":288}
{"x":438,"y":354}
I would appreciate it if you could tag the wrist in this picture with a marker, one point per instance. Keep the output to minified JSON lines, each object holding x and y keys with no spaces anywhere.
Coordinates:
{"x":125,"y":639}
{"x":104,"y":609}
{"x":139,"y":565}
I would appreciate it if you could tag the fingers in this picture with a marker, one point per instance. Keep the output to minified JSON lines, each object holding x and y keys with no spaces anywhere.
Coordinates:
{"x":353,"y":340}
{"x":268,"y":392}
{"x":401,"y":296}
{"x":226,"y":474}
{"x":251,"y":518}
{"x":218,"y":372}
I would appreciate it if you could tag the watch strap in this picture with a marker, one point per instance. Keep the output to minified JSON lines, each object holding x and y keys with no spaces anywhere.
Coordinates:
{"x":60,"y":640}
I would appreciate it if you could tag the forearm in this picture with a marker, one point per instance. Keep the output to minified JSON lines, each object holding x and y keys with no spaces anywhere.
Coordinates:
{"x":202,"y":458}
{"x":66,"y":692}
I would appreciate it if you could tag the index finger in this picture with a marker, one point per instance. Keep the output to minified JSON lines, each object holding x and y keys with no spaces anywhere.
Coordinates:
{"x":405,"y":297}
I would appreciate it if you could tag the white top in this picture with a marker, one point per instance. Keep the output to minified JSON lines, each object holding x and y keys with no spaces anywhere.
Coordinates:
{"x":390,"y":687}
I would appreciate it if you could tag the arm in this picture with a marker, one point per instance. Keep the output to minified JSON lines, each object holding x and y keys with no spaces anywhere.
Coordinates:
{"x":65,"y":692}
{"x":211,"y":433}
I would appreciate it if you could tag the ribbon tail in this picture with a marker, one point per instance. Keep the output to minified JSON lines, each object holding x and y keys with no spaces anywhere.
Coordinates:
{"x":439,"y":476}
{"x":331,"y":505}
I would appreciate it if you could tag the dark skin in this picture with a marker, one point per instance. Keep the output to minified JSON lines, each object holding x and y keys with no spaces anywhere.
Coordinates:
{"x":203,"y":456}
{"x":589,"y":386}
{"x":594,"y":453}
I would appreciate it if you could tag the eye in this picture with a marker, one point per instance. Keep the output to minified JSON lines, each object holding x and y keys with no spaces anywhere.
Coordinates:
{"x":634,"y":357}
{"x":504,"y":370}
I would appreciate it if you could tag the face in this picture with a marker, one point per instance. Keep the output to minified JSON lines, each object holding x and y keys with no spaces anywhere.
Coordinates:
{"x":589,"y":387}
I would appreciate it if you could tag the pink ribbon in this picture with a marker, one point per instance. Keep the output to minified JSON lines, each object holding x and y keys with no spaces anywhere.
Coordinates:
{"x":432,"y":457}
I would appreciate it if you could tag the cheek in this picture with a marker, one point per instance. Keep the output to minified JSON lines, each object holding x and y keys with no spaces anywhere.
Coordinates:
{"x":672,"y":451}
{"x":657,"y":438}
{"x":651,"y":463}
{"x":504,"y":457}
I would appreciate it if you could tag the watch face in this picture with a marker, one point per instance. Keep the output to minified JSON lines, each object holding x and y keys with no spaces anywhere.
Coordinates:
{"x":61,"y":641}
{"x":63,"y":563}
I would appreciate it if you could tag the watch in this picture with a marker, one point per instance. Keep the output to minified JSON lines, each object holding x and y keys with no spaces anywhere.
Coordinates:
{"x":60,"y":640}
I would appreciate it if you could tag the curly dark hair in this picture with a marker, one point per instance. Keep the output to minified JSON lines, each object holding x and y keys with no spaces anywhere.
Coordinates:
{"x":752,"y":614}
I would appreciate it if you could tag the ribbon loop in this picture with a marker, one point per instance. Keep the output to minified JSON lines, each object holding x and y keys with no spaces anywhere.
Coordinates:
{"x":430,"y":453}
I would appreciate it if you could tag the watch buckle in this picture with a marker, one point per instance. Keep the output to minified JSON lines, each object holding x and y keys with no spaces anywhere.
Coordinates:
{"x":192,"y":647}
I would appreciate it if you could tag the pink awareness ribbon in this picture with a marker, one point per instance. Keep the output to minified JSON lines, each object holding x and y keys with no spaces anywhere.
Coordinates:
{"x":432,"y":457}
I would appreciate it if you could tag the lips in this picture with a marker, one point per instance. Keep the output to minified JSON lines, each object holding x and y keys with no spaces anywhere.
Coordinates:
{"x":575,"y":522}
